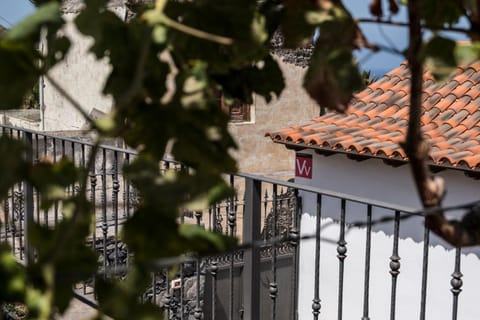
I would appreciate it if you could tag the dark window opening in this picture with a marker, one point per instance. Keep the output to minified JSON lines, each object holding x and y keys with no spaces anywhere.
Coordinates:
{"x":238,"y":111}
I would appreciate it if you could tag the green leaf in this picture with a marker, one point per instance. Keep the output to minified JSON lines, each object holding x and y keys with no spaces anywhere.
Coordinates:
{"x":212,"y":155}
{"x":63,"y":258}
{"x":332,"y":78}
{"x":58,"y":47}
{"x":76,"y":263}
{"x":51,"y":180}
{"x":438,"y":13}
{"x":18,"y":72}
{"x":159,"y":34}
{"x":332,"y":20}
{"x":234,"y":19}
{"x":38,"y":301}
{"x":20,"y":62}
{"x":12,"y":276}
{"x":29,"y":28}
{"x":202,"y":241}
{"x":205,"y":200}
{"x":265,"y":78}
{"x":439,"y":55}
{"x":106,"y":123}
{"x":148,"y":227}
{"x":467,"y":52}
{"x":12,"y":165}
{"x":143,"y":169}
{"x":119,"y":299}
{"x":194,"y":85}
{"x":297,"y":25}
{"x":136,"y":69}
{"x":103,"y":25}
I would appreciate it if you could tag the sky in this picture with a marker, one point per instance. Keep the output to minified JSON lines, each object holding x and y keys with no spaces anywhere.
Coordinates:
{"x":12,"y":11}
{"x":386,"y":36}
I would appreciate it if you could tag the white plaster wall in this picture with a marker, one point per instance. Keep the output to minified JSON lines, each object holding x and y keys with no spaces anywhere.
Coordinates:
{"x":372,"y":179}
{"x":375,"y":180}
{"x":82,"y":76}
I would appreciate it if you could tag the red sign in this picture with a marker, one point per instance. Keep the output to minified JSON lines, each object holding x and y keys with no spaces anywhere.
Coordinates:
{"x":303,"y":166}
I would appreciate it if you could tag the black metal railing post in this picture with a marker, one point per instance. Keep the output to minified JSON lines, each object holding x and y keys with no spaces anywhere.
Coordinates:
{"x":341,"y":255}
{"x":104,"y":226}
{"x":115,"y":191}
{"x":368,"y":246}
{"x":294,"y":242}
{"x":456,"y":282}
{"x":316,"y":300}
{"x":231,"y":225}
{"x":394,"y":266}
{"x":198,"y":312}
{"x":273,"y":287}
{"x":251,"y":234}
{"x":29,"y":206}
{"x":423,"y":299}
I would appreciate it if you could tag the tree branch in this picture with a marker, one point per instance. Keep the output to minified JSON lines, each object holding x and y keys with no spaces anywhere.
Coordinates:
{"x":431,"y":189}
{"x":390,"y":49}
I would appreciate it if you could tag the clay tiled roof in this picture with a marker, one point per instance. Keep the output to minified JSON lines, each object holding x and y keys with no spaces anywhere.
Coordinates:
{"x":377,"y":118}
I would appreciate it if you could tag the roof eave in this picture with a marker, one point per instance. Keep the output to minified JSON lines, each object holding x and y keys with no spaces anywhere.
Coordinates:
{"x":474,"y":173}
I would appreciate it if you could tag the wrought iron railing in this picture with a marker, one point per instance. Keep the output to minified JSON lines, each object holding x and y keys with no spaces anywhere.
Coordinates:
{"x":260,"y":280}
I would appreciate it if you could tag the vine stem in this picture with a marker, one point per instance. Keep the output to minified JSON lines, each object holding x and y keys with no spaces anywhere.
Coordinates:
{"x":430,"y":189}
{"x":160,"y":17}
{"x":415,"y":146}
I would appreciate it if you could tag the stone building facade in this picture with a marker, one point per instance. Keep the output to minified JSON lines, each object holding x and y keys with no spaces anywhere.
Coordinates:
{"x":83,"y":77}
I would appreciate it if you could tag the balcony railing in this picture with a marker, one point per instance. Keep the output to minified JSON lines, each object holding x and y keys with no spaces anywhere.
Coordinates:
{"x":276,"y":260}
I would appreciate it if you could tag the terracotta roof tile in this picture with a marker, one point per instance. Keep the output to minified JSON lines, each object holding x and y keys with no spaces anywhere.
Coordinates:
{"x":457,"y":118}
{"x":434,"y":99}
{"x":447,"y":88}
{"x":472,"y":121}
{"x":390,"y":111}
{"x":444,"y":116}
{"x":377,"y":119}
{"x":455,"y":104}
{"x":462,"y":89}
{"x":475,"y":78}
{"x":474,"y":91}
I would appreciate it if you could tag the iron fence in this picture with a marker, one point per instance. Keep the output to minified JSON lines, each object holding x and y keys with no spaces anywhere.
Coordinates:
{"x":260,"y":280}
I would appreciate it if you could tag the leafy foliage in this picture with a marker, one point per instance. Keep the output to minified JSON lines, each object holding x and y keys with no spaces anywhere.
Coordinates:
{"x":167,"y":64}
{"x":440,"y":57}
{"x":20,"y":61}
{"x":438,"y":13}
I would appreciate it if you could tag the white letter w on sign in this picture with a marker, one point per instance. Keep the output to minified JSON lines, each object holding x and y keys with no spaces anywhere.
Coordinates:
{"x":303,"y":166}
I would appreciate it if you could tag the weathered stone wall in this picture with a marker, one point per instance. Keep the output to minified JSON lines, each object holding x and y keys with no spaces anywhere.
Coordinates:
{"x":257,"y":153}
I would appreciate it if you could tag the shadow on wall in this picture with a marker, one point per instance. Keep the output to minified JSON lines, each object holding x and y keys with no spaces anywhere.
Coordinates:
{"x":409,"y":228}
